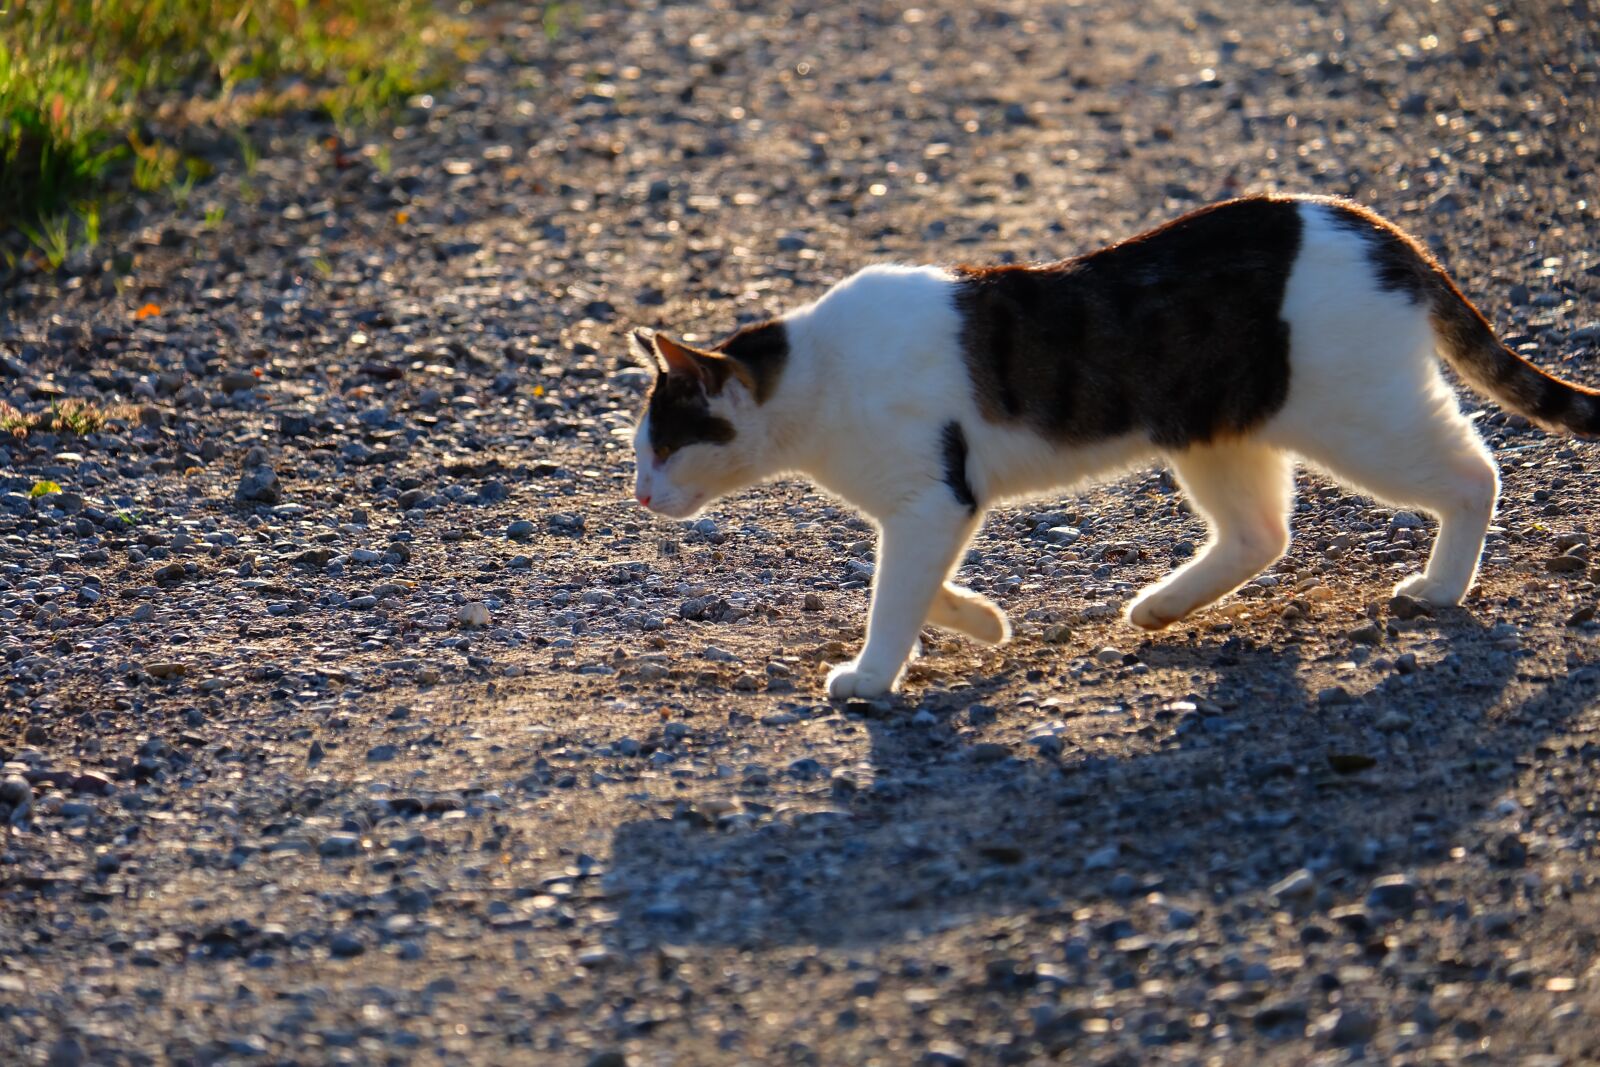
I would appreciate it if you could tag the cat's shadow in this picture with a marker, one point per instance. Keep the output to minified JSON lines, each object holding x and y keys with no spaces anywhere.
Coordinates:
{"x":1260,"y":779}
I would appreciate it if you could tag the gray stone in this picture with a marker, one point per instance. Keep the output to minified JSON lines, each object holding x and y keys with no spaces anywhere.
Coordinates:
{"x":259,"y":485}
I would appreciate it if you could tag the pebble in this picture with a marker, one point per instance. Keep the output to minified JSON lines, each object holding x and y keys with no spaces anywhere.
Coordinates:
{"x":1392,"y":722}
{"x":1405,"y":607}
{"x":340,"y":844}
{"x":16,"y":800}
{"x":1393,"y":892}
{"x":259,"y":485}
{"x":344,"y":946}
{"x":1102,"y":859}
{"x":1368,"y":634}
{"x":475,"y":615}
{"x":1295,"y":886}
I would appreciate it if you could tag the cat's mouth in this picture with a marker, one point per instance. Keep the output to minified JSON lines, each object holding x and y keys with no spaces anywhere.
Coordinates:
{"x":677,"y":509}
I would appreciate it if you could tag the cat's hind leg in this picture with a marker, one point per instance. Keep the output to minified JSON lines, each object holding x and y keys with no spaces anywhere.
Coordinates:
{"x":1433,"y":460}
{"x":973,"y":614}
{"x":1243,"y":490}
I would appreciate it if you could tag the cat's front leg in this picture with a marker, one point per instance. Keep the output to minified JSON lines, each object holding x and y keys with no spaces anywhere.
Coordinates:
{"x":916,"y":554}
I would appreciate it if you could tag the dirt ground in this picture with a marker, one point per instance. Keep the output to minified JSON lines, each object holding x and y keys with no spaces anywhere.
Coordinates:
{"x":294,"y":799}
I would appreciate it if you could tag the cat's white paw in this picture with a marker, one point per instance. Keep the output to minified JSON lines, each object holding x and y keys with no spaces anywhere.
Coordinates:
{"x":849,"y":680}
{"x":1417,"y":587}
{"x":1154,"y":613}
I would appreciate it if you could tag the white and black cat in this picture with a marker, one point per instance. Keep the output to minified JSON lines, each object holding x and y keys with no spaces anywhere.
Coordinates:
{"x":1230,"y":343}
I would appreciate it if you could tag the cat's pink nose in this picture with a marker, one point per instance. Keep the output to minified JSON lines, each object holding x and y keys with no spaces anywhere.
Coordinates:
{"x":643,"y":498}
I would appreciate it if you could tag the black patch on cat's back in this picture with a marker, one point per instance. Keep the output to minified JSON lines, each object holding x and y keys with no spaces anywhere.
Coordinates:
{"x":763,"y":350}
{"x":681,"y":416}
{"x":1400,"y":264}
{"x":1177,"y":333}
{"x":954,"y":445}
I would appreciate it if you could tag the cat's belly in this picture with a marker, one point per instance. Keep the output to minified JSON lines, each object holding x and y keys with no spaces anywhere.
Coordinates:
{"x":1011,"y":463}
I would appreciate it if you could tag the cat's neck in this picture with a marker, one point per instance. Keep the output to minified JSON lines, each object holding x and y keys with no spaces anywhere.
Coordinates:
{"x":797,"y":433}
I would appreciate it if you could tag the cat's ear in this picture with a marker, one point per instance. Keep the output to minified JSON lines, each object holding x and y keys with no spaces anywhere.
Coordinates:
{"x":643,"y":352}
{"x":678,"y":358}
{"x":711,"y":369}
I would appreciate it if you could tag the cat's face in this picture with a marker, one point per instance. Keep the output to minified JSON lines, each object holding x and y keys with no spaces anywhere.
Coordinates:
{"x":702,"y":429}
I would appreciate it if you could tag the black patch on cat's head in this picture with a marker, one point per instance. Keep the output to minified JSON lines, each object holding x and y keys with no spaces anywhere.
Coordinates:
{"x":680,"y":415}
{"x":762,"y":350}
{"x":680,"y":404}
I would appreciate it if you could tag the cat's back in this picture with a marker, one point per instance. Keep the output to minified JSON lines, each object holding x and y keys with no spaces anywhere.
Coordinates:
{"x":883,"y":295}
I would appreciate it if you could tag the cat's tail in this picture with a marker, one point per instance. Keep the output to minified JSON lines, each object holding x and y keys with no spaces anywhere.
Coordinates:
{"x":1468,"y":343}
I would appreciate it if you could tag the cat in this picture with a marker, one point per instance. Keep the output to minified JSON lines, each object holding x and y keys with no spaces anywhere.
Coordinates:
{"x":1229,"y":343}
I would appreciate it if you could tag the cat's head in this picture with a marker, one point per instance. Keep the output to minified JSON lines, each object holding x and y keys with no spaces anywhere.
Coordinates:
{"x":703,"y":432}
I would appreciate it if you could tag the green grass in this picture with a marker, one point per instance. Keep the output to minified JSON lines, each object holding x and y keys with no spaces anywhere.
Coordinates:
{"x":94,"y":92}
{"x":69,"y":416}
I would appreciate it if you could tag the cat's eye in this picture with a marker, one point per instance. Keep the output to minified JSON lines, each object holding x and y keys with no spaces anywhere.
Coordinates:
{"x":661,"y":454}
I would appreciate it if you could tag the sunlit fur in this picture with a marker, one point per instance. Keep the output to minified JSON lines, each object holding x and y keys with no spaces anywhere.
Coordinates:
{"x":876,"y":370}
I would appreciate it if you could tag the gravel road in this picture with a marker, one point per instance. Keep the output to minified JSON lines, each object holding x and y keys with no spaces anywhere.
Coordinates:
{"x":352,"y":712}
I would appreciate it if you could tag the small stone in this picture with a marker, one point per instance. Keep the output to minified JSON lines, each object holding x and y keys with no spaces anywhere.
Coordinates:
{"x":1581,"y":616}
{"x":520,"y":530}
{"x":1350,"y":762}
{"x":1566,"y":565}
{"x":344,"y":946}
{"x":166,"y":669}
{"x":1297,"y":885}
{"x":16,"y":799}
{"x":945,"y":1054}
{"x":340,"y":844}
{"x":1109,"y":655}
{"x":1366,"y":635}
{"x":1349,"y":1026}
{"x":1333,"y":696}
{"x":66,"y":1052}
{"x":1405,"y":520}
{"x":608,"y":1058}
{"x":93,"y":782}
{"x":259,"y":485}
{"x":1393,"y":892}
{"x":1102,"y":859}
{"x":381,"y":753}
{"x":1394,"y":722}
{"x":1405,"y":607}
{"x":475,"y":615}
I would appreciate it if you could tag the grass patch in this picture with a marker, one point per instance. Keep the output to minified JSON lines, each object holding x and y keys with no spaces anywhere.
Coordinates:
{"x":74,"y":417}
{"x":81,"y":81}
